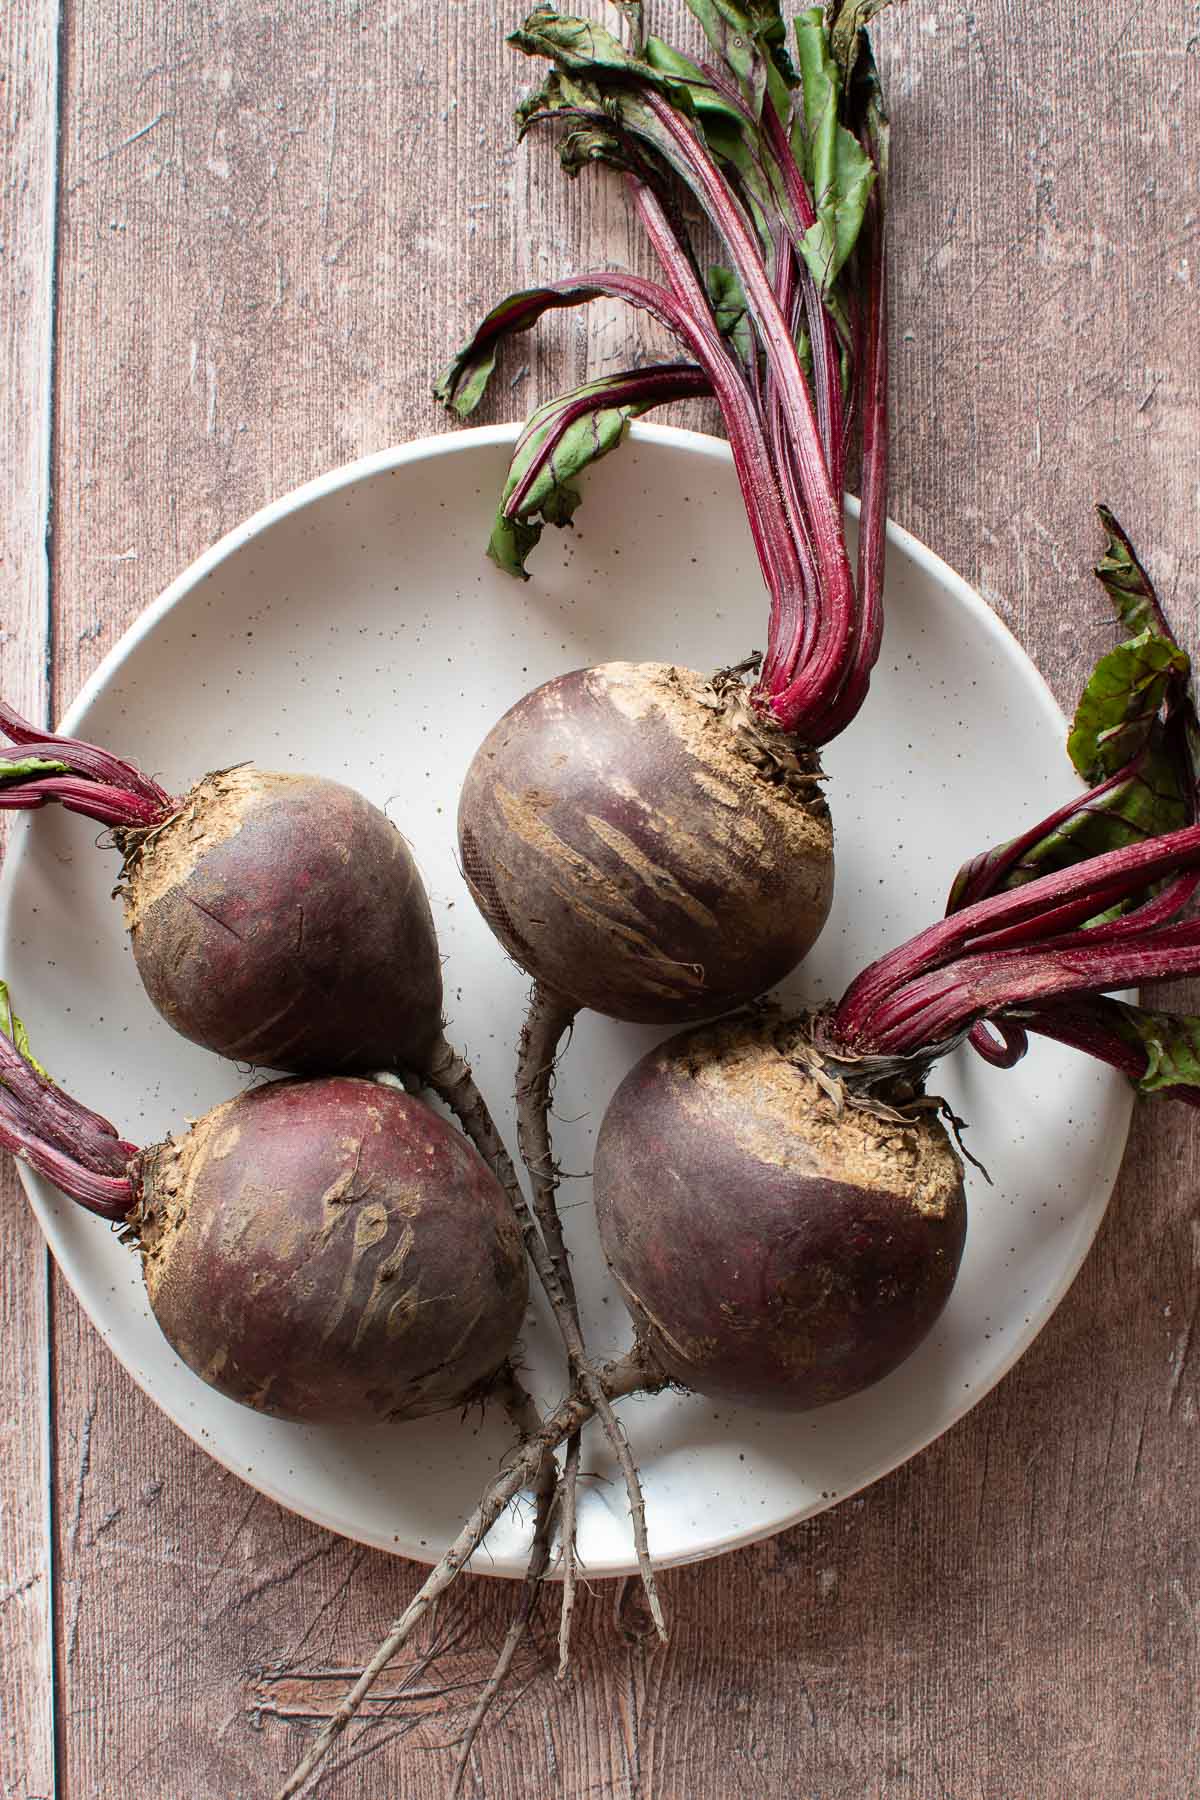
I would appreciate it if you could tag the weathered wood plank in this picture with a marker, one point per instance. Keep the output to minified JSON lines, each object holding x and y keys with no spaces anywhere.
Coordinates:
{"x":28,"y":108}
{"x":273,"y":228}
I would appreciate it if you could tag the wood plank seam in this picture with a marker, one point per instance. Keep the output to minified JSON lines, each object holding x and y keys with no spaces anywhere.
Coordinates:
{"x":49,"y":1457}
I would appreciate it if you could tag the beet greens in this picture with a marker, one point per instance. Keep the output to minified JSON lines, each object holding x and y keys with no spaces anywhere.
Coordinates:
{"x":788,"y":162}
{"x":1135,"y":740}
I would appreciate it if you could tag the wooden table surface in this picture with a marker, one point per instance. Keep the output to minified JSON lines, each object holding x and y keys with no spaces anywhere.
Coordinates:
{"x":235,"y":240}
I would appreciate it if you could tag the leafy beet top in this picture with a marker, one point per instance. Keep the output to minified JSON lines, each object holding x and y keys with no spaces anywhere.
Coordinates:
{"x":785,"y":153}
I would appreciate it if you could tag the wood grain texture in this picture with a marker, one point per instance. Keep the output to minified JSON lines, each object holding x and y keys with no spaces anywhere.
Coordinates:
{"x":28,"y":100}
{"x":272,"y":228}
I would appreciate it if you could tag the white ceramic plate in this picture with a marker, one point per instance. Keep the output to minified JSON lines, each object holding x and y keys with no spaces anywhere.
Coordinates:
{"x":354,"y":629}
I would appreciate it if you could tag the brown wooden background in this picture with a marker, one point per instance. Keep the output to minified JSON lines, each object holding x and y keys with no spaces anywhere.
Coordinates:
{"x":235,"y":240}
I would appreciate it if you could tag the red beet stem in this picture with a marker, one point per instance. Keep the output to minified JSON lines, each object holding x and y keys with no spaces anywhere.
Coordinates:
{"x":985,"y":873}
{"x":1018,"y":948}
{"x":794,"y":705}
{"x":791,"y":374}
{"x":75,"y":1148}
{"x":108,"y":1196}
{"x":68,"y":1121}
{"x":1001,"y":1042}
{"x":94,"y":799}
{"x":779,"y":554}
{"x":863,"y":652}
{"x":90,"y":780}
{"x":827,"y":374}
{"x":936,"y":1007}
{"x":1087,"y":1023}
{"x":667,"y":381}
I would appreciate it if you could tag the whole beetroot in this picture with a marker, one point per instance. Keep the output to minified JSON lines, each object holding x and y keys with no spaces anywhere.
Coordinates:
{"x":278,"y":919}
{"x":330,"y":1250}
{"x":774,"y":1247}
{"x":625,"y":845}
{"x":646,"y":841}
{"x":324,"y":1249}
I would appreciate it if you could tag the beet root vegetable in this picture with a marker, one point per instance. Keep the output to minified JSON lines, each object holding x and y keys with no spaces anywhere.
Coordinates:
{"x":277,"y":919}
{"x":773,"y":1247}
{"x":330,"y":1250}
{"x":643,"y":840}
{"x":281,"y":920}
{"x":778,"y":1201}
{"x":616,"y":811}
{"x":324,"y":1249}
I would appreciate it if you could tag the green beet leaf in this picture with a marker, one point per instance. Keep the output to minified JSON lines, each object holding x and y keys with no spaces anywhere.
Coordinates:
{"x":840,"y":174}
{"x":561,"y":439}
{"x":1171,"y":1042}
{"x":1127,"y":583}
{"x":730,"y":311}
{"x":1119,"y":708}
{"x":13,"y":1029}
{"x":18,"y":768}
{"x":1135,"y":720}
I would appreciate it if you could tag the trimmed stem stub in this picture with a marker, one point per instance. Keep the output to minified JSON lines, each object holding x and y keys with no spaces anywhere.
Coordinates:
{"x":76,"y":1149}
{"x":79,"y":776}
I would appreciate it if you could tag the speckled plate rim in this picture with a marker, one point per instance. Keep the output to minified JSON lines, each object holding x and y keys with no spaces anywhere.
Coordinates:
{"x":449,"y":444}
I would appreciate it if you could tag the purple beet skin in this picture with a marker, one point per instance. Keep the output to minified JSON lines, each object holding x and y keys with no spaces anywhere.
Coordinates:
{"x":280,"y":920}
{"x":772,"y":1249}
{"x":630,"y":852}
{"x":330,"y":1250}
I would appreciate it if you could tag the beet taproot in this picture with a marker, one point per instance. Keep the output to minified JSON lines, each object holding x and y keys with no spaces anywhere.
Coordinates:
{"x":320,"y":1248}
{"x":774,"y":1248}
{"x":330,"y":1250}
{"x":625,"y":845}
{"x":277,"y":919}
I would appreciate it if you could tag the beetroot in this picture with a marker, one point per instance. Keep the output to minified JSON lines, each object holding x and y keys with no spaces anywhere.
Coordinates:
{"x":575,"y":832}
{"x":773,"y":1248}
{"x":778,"y":1200}
{"x":276,"y":919}
{"x":330,"y":1249}
{"x":321,"y":1249}
{"x":645,"y":840}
